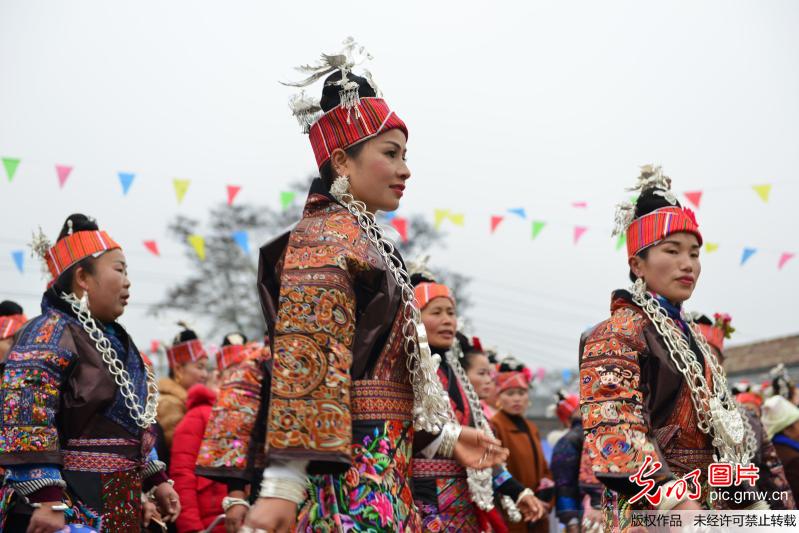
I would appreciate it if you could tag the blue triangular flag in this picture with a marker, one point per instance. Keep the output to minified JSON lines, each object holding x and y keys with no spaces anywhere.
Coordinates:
{"x":241,"y":239}
{"x":126,"y":179}
{"x":19,"y":259}
{"x":748,"y":252}
{"x":390,"y":215}
{"x":567,"y":376}
{"x":519,"y":212}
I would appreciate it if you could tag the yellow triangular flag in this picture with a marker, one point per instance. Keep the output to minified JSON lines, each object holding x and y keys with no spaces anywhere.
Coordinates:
{"x":456,"y":218}
{"x":762,"y":191}
{"x":181,"y":186}
{"x":198,"y":243}
{"x":711,"y":247}
{"x":439,"y":216}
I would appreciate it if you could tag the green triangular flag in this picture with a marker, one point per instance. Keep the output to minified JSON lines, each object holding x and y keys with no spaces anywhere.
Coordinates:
{"x":11,"y":167}
{"x":286,"y":198}
{"x":538,"y":225}
{"x":620,"y":241}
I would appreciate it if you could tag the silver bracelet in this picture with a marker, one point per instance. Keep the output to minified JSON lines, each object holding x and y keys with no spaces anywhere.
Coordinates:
{"x":228,"y":502}
{"x":449,"y":437}
{"x":286,"y":489}
{"x":59,"y":507}
{"x":523,"y":494}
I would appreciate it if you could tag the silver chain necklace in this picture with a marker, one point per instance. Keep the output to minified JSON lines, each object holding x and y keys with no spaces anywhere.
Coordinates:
{"x":431,"y":409}
{"x":143,"y":418}
{"x":717,"y":414}
{"x":480,"y":481}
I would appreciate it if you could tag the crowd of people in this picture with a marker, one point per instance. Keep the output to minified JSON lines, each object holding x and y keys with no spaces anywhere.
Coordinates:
{"x":363,"y":407}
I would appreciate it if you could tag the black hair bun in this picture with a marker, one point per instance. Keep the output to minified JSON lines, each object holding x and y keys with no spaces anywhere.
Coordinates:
{"x":330,"y":96}
{"x":235,"y":338}
{"x":510,"y":364}
{"x":704,"y":320}
{"x":9,"y":308}
{"x":184,"y":336}
{"x":77,"y":222}
{"x":650,"y":200}
{"x":421,"y":277}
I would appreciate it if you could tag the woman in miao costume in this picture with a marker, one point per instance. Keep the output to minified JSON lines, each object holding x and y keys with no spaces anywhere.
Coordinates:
{"x":350,"y":378}
{"x":77,"y":401}
{"x":651,"y":388}
{"x":450,"y":496}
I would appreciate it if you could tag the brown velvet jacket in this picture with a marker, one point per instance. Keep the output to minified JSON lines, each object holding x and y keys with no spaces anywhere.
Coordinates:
{"x":526,"y":462}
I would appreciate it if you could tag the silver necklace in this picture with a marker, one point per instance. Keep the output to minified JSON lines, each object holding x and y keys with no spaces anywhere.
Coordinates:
{"x":480,"y":481}
{"x":431,"y":409}
{"x":143,"y":418}
{"x":717,"y":414}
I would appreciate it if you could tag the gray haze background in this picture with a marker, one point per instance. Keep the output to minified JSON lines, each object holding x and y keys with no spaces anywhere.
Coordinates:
{"x":509,"y":104}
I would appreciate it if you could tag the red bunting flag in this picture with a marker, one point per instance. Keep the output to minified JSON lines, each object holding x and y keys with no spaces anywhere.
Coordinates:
{"x":154,"y":345}
{"x":694,"y":197}
{"x":495,"y":221}
{"x":579,"y":231}
{"x":232,"y":191}
{"x":152,"y":246}
{"x":401,"y":225}
{"x":63,"y":172}
{"x":784,"y":258}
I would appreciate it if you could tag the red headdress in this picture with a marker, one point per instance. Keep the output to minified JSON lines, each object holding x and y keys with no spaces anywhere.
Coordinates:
{"x":651,"y":228}
{"x":351,"y":110}
{"x":71,"y":249}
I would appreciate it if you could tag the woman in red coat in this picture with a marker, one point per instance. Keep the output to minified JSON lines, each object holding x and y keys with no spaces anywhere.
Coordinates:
{"x":201,"y":497}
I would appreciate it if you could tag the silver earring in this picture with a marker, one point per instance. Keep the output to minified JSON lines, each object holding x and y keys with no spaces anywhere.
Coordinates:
{"x":340,"y":187}
{"x":84,"y":302}
{"x":639,"y":287}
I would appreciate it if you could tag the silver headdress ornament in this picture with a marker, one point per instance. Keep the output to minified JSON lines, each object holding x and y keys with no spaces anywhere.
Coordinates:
{"x":419,"y":267}
{"x":651,"y":177}
{"x":306,"y":109}
{"x":40,"y":246}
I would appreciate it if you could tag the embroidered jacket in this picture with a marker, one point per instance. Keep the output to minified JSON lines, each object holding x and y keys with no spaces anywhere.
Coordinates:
{"x":636,"y":404}
{"x":64,"y":425}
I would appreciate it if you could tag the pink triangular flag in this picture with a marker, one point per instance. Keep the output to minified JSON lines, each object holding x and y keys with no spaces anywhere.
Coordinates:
{"x":578,"y":232}
{"x":232,"y":191}
{"x":152,"y":246}
{"x":495,"y":221}
{"x":694,"y":197}
{"x":154,"y":345}
{"x":401,"y":225}
{"x":784,"y":258}
{"x":63,"y":172}
{"x":580,"y":205}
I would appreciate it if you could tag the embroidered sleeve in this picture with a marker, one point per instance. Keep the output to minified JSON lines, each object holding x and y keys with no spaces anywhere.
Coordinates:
{"x":617,"y":436}
{"x":27,"y":479}
{"x":224,"y":450}
{"x":505,"y":484}
{"x":30,"y":396}
{"x":309,"y":414}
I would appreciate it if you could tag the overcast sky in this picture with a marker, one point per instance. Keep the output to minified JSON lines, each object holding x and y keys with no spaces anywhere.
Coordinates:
{"x":509,"y":104}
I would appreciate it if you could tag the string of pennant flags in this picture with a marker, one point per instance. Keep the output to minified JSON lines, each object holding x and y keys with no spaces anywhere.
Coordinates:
{"x":441,"y":217}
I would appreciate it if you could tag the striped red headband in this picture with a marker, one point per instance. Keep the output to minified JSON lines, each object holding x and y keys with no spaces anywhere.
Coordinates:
{"x":426,"y":292}
{"x":185,"y":352}
{"x":342,"y":127}
{"x":229,"y":355}
{"x":655,"y":226}
{"x":513,"y":380}
{"x":10,"y":324}
{"x":75,"y":247}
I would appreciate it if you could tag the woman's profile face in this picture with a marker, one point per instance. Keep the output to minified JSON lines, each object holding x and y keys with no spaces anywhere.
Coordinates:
{"x":671,"y":268}
{"x":108,"y":285}
{"x":480,"y":375}
{"x":378,"y":173}
{"x":440,"y":322}
{"x":192,"y":372}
